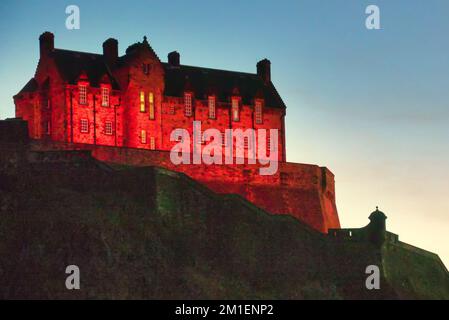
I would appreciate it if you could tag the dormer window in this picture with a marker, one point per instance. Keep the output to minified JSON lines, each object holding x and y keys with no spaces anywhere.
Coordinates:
{"x":188,"y":104}
{"x":211,"y":103}
{"x":235,"y":109}
{"x":105,"y":97}
{"x":258,"y":112}
{"x":82,"y":94}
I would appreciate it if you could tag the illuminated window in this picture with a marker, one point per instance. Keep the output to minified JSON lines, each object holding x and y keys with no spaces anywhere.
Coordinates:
{"x":258,"y":107}
{"x":152,"y":143}
{"x":151,"y":103}
{"x":211,"y":101}
{"x":142,"y":101}
{"x":108,"y":128}
{"x":105,"y":97}
{"x":235,"y":109}
{"x":143,"y":137}
{"x":188,"y":104}
{"x":83,"y":94}
{"x":84,"y":126}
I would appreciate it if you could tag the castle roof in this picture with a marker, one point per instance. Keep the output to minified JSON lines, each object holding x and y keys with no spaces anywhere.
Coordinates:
{"x":71,"y":64}
{"x":222,"y":83}
{"x":201,"y":81}
{"x":31,"y":86}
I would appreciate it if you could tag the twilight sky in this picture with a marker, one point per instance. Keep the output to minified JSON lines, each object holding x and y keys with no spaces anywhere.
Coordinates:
{"x":372,"y":105}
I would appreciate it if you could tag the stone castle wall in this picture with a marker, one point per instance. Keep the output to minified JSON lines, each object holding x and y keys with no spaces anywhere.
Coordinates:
{"x":304,"y":191}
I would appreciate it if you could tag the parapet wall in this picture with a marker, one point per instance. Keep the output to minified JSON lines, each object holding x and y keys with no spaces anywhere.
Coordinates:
{"x":304,"y":191}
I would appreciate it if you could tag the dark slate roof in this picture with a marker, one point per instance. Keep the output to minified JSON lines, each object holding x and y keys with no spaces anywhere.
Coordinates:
{"x":31,"y":86}
{"x":201,"y":81}
{"x":224,"y":84}
{"x":72,"y":63}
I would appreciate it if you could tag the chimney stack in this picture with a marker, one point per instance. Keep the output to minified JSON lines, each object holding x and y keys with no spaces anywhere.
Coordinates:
{"x":46,"y":43}
{"x":110,"y":51}
{"x":174,"y":59}
{"x":264,"y":70}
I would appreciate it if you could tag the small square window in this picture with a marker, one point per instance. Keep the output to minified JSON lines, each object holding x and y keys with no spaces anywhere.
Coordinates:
{"x":143,"y":137}
{"x":108,"y":128}
{"x":84,"y":126}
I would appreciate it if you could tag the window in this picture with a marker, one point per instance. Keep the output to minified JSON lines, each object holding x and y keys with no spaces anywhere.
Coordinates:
{"x":108,"y":128}
{"x":223,"y":139}
{"x":171,"y":109}
{"x":188,"y":104}
{"x":47,"y":127}
{"x":151,"y":103}
{"x":258,"y":110}
{"x":146,"y":68}
{"x":105,"y":97}
{"x":84,"y":126}
{"x":142,"y":101}
{"x":246,"y":142}
{"x":45,"y":102}
{"x":152,"y":143}
{"x":235,"y":109}
{"x":211,"y":101}
{"x":83,"y":94}
{"x":269,"y":144}
{"x":143,"y":137}
{"x":179,"y":135}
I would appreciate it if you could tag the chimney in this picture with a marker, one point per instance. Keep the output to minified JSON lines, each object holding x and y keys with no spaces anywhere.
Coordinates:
{"x":173,"y":59}
{"x":110,"y":51}
{"x":264,"y":70}
{"x":46,"y":43}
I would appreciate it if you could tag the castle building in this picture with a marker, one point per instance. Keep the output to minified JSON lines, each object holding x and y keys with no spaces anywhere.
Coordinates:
{"x":125,"y":108}
{"x":137,"y":101}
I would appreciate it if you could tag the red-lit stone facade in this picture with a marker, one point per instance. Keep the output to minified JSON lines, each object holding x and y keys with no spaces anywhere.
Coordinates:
{"x":115,"y":105}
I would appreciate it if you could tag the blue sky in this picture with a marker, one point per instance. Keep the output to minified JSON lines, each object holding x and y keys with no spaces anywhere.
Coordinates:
{"x":372,"y":105}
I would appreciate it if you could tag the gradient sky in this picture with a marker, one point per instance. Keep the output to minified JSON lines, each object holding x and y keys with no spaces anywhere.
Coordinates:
{"x":373,"y":106}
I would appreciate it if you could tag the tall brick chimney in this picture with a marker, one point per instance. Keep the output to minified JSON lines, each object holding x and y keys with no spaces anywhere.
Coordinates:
{"x":174,"y":59}
{"x":46,"y":43}
{"x":264,"y":70}
{"x":110,"y":51}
